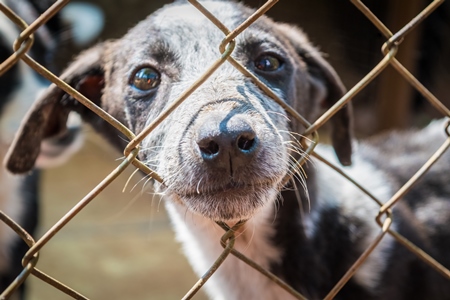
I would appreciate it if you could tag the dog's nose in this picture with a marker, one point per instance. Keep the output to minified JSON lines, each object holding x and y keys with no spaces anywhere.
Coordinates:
{"x":228,"y":143}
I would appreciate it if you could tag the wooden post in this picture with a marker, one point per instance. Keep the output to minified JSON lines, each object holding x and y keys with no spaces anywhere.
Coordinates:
{"x":395,"y":95}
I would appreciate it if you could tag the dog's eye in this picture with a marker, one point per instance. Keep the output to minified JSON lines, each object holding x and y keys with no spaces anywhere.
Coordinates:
{"x":146,"y":79}
{"x":268,"y":63}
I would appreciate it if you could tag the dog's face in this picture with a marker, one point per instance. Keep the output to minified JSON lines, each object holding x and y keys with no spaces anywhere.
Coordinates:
{"x":222,"y":153}
{"x":225,"y":150}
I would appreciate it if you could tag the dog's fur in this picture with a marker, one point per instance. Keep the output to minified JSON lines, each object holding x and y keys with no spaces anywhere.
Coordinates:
{"x":19,"y":88}
{"x":224,"y":152}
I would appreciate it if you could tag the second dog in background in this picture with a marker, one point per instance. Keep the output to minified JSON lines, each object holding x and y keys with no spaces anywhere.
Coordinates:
{"x":20,"y":86}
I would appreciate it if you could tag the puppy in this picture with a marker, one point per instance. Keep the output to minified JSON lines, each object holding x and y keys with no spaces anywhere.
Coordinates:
{"x":223,"y":154}
{"x":19,"y":87}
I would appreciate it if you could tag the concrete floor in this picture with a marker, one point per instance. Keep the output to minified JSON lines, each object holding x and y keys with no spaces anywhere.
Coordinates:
{"x":120,"y":246}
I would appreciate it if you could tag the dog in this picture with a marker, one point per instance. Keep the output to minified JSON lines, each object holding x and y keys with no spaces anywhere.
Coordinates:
{"x":223,"y":154}
{"x":20,"y":86}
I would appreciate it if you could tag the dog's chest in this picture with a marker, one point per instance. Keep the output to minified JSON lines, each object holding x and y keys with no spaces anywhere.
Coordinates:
{"x":234,"y":279}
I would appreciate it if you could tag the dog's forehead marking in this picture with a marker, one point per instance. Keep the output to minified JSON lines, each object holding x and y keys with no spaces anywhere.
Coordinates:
{"x":183,"y":25}
{"x":185,"y":28}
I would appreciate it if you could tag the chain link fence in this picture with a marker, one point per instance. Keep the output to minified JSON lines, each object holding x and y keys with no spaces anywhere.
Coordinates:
{"x":383,"y":219}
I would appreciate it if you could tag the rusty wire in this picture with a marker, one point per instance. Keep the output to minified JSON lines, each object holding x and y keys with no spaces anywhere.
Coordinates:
{"x":384,"y":218}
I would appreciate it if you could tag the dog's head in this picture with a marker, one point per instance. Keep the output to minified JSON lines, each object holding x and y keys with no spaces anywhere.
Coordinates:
{"x":224,"y":151}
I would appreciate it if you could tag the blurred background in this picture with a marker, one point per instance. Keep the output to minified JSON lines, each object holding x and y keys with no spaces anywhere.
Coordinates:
{"x":121,"y":245}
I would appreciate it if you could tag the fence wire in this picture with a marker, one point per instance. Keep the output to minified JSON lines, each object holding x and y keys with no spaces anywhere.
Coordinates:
{"x":384,"y":218}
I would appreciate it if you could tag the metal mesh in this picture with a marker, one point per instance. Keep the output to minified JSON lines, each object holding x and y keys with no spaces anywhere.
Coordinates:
{"x":383,"y":219}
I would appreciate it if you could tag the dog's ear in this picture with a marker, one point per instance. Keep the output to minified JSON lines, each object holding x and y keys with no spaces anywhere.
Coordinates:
{"x":48,"y":116}
{"x":328,"y":88}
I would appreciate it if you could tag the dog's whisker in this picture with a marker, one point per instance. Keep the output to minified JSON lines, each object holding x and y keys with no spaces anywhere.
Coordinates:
{"x":128,"y":181}
{"x":295,"y":135}
{"x":198,"y":185}
{"x":279,"y":114}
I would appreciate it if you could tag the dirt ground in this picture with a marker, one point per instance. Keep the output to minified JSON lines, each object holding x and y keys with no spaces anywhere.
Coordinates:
{"x":120,"y":246}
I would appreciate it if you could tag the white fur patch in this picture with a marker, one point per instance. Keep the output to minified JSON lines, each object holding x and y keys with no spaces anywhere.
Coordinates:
{"x":353,"y":202}
{"x":234,"y":279}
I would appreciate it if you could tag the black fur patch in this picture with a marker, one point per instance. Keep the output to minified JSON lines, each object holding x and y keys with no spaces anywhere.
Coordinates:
{"x":314,"y":265}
